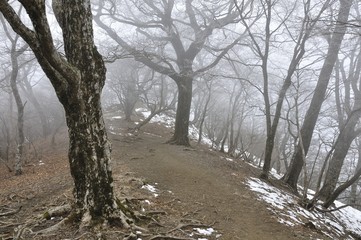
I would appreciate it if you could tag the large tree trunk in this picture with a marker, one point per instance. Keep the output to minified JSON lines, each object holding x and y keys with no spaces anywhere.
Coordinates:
{"x":89,"y":157}
{"x":297,"y":162}
{"x":180,"y":136}
{"x":89,"y":148}
{"x":78,"y":81}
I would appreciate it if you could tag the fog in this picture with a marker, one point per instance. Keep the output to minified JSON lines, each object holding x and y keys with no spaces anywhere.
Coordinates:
{"x":236,"y":58}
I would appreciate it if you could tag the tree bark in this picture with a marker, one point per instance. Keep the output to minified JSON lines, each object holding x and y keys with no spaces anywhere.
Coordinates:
{"x":331,"y":198}
{"x":20,"y":108}
{"x":180,"y":136}
{"x":292,"y":175}
{"x":78,"y":81}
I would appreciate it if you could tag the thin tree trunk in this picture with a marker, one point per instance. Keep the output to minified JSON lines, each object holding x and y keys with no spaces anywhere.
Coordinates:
{"x":292,"y":175}
{"x":204,"y":114}
{"x":20,"y":108}
{"x":343,"y":143}
{"x":298,"y":53}
{"x":353,"y":192}
{"x":30,"y":93}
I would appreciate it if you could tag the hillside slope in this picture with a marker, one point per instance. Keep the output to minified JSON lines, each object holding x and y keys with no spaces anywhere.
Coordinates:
{"x":184,"y":193}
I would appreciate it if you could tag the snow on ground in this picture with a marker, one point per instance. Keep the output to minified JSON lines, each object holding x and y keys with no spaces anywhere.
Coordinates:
{"x":151,"y":189}
{"x":284,"y":205}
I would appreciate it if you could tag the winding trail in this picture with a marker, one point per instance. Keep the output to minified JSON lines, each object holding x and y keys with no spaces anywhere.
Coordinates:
{"x":206,"y":183}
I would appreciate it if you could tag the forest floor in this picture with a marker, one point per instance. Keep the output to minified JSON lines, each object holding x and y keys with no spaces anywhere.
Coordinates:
{"x":186,"y":192}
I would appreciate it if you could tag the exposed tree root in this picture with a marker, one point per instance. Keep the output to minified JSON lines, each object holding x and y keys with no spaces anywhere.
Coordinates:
{"x":57,"y":211}
{"x":20,"y":231}
{"x":11,"y":212}
{"x":53,"y":228}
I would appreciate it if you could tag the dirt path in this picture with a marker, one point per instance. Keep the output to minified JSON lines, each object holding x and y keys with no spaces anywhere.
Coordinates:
{"x":194,"y":184}
{"x":211,"y":187}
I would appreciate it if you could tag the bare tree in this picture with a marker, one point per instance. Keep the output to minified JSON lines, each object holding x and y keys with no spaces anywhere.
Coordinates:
{"x":15,"y":53}
{"x":126,"y":82}
{"x":297,"y":162}
{"x":185,"y":33}
{"x":346,"y":126}
{"x":27,"y":88}
{"x":262,"y":48}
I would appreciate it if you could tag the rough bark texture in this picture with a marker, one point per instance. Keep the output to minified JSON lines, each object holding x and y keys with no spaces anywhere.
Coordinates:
{"x":78,"y":81}
{"x":297,"y":162}
{"x":89,"y":152}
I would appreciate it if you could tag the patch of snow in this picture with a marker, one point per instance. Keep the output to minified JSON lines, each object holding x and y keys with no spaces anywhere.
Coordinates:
{"x":286,"y":207}
{"x":150,"y":188}
{"x":117,"y":117}
{"x":205,"y":232}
